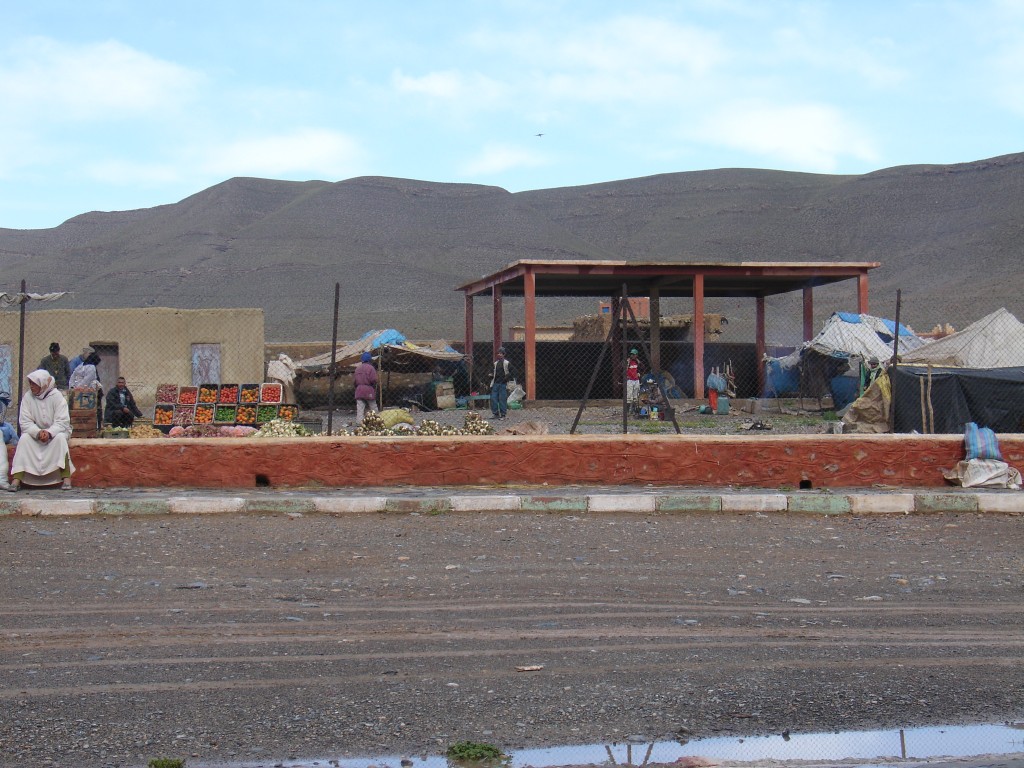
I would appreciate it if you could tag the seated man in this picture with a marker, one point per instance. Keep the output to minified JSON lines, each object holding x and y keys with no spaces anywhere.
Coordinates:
{"x":121,"y":409}
{"x":10,"y":438}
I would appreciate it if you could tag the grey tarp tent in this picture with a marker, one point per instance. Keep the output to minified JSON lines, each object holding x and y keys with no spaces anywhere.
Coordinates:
{"x":976,"y":374}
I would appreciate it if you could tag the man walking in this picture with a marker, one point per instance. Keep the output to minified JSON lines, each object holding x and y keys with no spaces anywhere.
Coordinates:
{"x":499,"y":386}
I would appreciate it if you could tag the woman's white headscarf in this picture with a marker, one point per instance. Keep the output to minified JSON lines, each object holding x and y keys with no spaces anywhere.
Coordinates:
{"x":43,"y":380}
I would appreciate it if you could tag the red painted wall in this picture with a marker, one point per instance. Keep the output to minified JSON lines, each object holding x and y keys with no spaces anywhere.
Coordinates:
{"x":838,"y":461}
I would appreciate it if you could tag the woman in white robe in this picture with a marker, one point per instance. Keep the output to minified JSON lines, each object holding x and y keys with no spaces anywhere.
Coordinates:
{"x":42,"y":456}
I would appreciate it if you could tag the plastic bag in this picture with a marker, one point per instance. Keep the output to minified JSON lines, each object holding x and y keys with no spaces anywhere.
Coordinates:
{"x":393,"y":416}
{"x":517,"y":394}
{"x":716,"y":381}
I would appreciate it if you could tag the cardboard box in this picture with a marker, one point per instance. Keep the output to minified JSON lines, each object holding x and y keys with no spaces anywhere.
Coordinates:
{"x":82,"y":399}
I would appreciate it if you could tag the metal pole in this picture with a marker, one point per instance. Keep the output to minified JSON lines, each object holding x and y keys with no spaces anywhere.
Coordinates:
{"x":21,"y":352}
{"x":893,"y":364}
{"x":334,"y":358}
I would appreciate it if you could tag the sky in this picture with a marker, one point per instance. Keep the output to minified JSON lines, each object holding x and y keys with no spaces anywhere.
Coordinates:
{"x":117,"y":104}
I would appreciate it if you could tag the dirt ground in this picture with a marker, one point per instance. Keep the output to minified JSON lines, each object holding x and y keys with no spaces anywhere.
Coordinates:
{"x":274,"y":637}
{"x":789,"y":417}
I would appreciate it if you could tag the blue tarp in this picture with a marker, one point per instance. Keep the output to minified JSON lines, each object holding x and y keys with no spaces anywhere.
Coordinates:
{"x":386,"y":336}
{"x":851,"y":317}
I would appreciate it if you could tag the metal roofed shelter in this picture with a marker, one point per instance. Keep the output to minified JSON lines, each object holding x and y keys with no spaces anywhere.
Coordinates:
{"x":530,"y":278}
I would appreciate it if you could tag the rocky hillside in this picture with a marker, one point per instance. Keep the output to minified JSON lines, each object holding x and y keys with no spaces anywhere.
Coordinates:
{"x":949,"y":236}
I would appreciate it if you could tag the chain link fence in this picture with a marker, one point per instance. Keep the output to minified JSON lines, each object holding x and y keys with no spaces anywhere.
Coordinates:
{"x":607,"y":368}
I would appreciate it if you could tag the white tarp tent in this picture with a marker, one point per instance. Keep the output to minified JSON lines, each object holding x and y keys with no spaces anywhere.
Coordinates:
{"x":851,"y":335}
{"x":995,"y":341}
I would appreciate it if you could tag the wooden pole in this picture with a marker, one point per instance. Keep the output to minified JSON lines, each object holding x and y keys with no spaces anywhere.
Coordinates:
{"x":892,"y":365}
{"x":334,"y":358}
{"x":623,"y":358}
{"x":21,"y":353}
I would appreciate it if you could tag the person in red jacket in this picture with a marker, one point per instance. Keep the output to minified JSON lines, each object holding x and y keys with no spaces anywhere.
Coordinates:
{"x":365,"y":379}
{"x":633,"y":380}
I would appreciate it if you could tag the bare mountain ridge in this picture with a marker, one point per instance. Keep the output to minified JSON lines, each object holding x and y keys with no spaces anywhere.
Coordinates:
{"x":949,"y":236}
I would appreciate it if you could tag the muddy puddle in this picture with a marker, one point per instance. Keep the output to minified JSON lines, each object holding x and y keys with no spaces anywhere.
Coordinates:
{"x":875,"y":747}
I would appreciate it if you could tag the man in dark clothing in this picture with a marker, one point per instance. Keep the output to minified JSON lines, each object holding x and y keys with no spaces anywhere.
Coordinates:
{"x":499,"y":386}
{"x":57,"y":366}
{"x":121,"y":409}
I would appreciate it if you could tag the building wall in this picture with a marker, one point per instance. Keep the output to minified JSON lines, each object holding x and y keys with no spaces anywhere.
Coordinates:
{"x":154,"y":344}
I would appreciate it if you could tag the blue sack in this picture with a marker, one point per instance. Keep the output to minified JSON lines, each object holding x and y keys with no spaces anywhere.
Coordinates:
{"x":981,"y":443}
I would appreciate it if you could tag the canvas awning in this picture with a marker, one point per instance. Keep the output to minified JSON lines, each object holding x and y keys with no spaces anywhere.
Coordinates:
{"x":397,"y":352}
{"x":995,"y":341}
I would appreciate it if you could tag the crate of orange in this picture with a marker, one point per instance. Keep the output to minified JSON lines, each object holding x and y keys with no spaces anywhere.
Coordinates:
{"x":204,"y":413}
{"x":249,"y":393}
{"x":228,"y":394}
{"x":287,"y":412}
{"x":163,"y":415}
{"x":188,"y":395}
{"x":246,"y":414}
{"x":207,"y":393}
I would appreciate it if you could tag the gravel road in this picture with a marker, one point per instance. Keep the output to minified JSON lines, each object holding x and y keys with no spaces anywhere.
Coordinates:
{"x":279,"y":636}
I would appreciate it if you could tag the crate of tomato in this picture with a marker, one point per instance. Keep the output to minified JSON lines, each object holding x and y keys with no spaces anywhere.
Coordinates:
{"x":228,"y":394}
{"x":270,"y":393}
{"x":188,"y":395}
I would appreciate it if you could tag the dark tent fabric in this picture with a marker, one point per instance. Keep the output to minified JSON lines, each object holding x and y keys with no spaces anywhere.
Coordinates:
{"x":990,"y":397}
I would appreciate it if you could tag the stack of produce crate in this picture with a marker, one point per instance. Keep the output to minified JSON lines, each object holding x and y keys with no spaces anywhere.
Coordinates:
{"x":82,"y":404}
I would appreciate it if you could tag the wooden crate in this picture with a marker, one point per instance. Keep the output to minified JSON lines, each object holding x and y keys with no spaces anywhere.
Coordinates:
{"x":83,"y":423}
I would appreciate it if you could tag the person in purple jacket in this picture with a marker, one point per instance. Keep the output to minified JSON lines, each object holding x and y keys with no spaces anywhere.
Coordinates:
{"x":365,"y":379}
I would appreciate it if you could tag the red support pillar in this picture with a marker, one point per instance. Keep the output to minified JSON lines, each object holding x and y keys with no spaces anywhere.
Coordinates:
{"x":808,"y":313}
{"x":862,"y":293}
{"x":759,"y":344}
{"x":467,"y":349}
{"x":698,"y":336}
{"x":496,"y":329}
{"x":530,"y":310}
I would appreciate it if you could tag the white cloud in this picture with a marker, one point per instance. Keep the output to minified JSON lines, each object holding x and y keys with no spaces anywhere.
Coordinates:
{"x":1004,"y":66}
{"x":43,"y":77}
{"x":313,"y":152}
{"x":450,"y":85}
{"x":810,"y":137}
{"x":635,"y":44}
{"x":497,"y":158}
{"x":627,"y":58}
{"x":818,"y":49}
{"x":128,"y":173}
